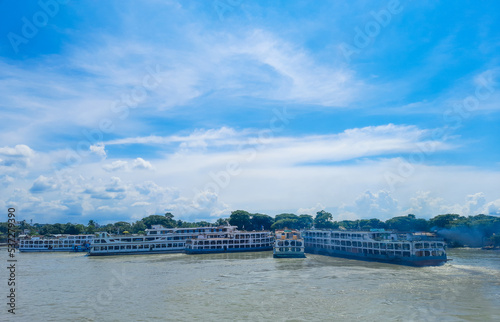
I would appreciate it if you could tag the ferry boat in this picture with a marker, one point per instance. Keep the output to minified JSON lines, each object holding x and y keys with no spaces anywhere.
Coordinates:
{"x":413,"y":249}
{"x":230,"y":240}
{"x":58,"y":243}
{"x":158,"y":240}
{"x":288,"y":244}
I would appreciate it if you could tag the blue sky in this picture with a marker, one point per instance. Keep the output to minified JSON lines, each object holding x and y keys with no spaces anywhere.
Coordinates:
{"x":117,"y":110}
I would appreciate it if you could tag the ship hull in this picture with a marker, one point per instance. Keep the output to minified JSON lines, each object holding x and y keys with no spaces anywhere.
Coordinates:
{"x":228,"y":250}
{"x":41,"y":250}
{"x":298,"y":255}
{"x":408,"y":261}
{"x":149,"y":252}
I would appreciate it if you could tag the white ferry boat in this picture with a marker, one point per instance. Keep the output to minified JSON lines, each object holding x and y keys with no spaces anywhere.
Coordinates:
{"x":158,"y":240}
{"x":414,"y":249}
{"x":230,"y":240}
{"x":288,"y":244}
{"x":59,"y":243}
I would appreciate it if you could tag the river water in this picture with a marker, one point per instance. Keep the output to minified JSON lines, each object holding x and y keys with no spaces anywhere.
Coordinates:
{"x":251,"y":287}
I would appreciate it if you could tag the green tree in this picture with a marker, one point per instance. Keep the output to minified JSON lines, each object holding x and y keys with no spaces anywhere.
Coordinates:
{"x":323,"y":220}
{"x":407,"y":223}
{"x":305,"y":221}
{"x":122,"y":226}
{"x":159,"y":220}
{"x":261,"y":222}
{"x":286,"y":223}
{"x":444,"y":221}
{"x":72,"y":229}
{"x":241,"y":219}
{"x":222,"y":222}
{"x":139,"y":227}
{"x":495,"y":240}
{"x":169,"y":215}
{"x":91,"y":227}
{"x":285,"y":216}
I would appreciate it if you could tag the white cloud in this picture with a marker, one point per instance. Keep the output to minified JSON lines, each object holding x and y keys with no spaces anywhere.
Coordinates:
{"x":492,"y":208}
{"x":115,"y":166}
{"x":204,"y":205}
{"x":311,"y":211}
{"x":474,"y":204}
{"x":140,"y":163}
{"x":354,"y":143}
{"x":380,"y":204}
{"x":19,"y":156}
{"x":303,"y":79}
{"x":141,"y":203}
{"x":43,"y":184}
{"x":121,"y":165}
{"x":98,"y":149}
{"x":6,"y":180}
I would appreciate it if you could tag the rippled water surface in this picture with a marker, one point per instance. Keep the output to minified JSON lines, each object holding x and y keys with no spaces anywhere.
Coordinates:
{"x":253,"y":287}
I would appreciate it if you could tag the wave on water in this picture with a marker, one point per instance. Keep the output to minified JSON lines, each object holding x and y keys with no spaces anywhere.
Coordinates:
{"x":471,"y":269}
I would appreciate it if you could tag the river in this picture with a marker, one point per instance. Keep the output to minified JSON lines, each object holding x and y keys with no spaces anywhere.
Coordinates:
{"x":251,"y":287}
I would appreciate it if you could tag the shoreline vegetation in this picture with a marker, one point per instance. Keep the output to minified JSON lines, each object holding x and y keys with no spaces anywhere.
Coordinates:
{"x":458,"y":231}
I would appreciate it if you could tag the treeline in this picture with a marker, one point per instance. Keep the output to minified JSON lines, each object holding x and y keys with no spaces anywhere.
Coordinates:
{"x":459,"y":230}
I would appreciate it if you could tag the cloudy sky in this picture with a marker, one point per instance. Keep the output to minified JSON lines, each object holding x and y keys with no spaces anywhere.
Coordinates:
{"x":115,"y":110}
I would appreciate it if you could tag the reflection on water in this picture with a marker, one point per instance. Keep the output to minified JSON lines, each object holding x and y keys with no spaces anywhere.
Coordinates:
{"x":254,"y":287}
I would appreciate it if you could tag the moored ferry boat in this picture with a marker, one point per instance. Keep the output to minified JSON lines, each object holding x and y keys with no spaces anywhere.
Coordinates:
{"x":58,"y":243}
{"x":158,"y":240}
{"x":230,"y":240}
{"x":288,"y":244}
{"x":414,"y":249}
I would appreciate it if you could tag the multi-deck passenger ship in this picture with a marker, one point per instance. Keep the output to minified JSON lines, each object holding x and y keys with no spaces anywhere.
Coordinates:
{"x":158,"y":240}
{"x":59,"y":243}
{"x":415,"y":249}
{"x":230,"y":240}
{"x":288,"y":244}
